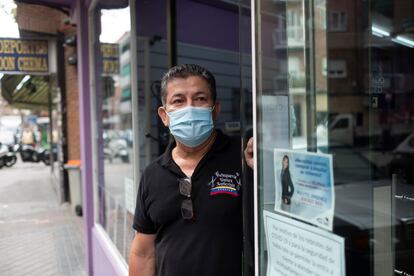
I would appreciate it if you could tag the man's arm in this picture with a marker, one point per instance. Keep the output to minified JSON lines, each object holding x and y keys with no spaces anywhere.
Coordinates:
{"x":142,"y":255}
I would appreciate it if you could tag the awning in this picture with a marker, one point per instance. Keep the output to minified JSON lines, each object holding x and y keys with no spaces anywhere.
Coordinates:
{"x":33,"y":94}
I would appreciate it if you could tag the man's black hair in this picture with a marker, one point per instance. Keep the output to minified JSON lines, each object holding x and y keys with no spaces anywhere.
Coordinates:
{"x":184,"y":71}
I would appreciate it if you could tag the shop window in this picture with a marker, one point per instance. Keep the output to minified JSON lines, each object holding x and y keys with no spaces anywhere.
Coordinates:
{"x":113,"y":126}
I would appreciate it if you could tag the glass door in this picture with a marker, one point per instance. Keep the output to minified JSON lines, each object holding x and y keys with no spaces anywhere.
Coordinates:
{"x":335,"y":145}
{"x":391,"y":109}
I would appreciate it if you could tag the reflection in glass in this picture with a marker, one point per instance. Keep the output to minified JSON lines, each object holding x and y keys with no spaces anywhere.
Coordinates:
{"x":340,"y":75}
{"x":152,"y":64}
{"x":218,"y":53}
{"x":114,"y":115}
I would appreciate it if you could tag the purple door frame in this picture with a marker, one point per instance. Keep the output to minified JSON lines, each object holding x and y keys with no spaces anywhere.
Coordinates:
{"x":81,"y":13}
{"x":100,"y":258}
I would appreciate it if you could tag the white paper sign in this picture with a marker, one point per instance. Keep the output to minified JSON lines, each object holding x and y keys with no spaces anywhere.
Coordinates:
{"x":130,"y":194}
{"x":295,"y":248}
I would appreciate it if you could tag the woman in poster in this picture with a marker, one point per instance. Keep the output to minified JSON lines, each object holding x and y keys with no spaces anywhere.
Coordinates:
{"x":287,"y":185}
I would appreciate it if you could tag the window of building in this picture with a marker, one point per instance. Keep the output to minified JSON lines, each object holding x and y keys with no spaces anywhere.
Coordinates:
{"x":322,"y":18}
{"x":126,"y":70}
{"x":125,"y":48}
{"x":337,"y":21}
{"x":279,"y":34}
{"x":335,"y":69}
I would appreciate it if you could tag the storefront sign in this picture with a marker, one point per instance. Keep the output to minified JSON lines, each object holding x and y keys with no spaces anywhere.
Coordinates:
{"x":295,"y":248}
{"x":23,"y":56}
{"x":304,"y":186}
{"x":110,"y":58}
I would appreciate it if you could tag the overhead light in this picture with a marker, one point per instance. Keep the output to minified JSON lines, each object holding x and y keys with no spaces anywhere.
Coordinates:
{"x":404,"y":41}
{"x":378,"y":31}
{"x":23,"y":81}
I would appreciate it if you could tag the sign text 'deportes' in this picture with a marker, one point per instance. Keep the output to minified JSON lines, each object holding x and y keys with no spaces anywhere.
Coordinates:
{"x":23,"y":56}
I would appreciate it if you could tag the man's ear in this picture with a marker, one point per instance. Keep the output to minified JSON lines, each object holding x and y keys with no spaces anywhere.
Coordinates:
{"x":216,"y":110}
{"x":163,"y":115}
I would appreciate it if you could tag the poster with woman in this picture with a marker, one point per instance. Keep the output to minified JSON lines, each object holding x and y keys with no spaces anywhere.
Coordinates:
{"x":304,"y":186}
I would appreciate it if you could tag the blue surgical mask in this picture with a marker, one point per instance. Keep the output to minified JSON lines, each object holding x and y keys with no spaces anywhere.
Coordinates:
{"x":191,"y":125}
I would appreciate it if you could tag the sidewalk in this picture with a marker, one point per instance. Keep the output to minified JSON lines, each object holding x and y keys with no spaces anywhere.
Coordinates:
{"x":38,"y":236}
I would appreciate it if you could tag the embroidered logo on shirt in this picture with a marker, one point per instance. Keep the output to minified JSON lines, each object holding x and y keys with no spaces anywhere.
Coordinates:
{"x":224,"y":183}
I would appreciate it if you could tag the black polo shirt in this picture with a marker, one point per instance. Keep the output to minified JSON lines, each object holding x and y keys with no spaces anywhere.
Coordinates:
{"x":212,"y":244}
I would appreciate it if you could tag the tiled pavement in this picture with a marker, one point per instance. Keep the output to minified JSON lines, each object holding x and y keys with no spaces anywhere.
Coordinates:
{"x":38,"y":236}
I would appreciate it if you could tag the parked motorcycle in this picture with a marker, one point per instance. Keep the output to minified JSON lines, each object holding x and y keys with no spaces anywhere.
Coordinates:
{"x":7,"y":157}
{"x":28,"y":153}
{"x":117,"y":148}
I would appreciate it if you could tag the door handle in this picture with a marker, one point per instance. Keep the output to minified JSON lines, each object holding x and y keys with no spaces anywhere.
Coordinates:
{"x":404,"y":198}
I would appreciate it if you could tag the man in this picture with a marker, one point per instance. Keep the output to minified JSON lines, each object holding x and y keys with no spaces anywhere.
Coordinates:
{"x":188,"y":215}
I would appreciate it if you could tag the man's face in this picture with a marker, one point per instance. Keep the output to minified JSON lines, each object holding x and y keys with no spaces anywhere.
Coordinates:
{"x":181,"y":93}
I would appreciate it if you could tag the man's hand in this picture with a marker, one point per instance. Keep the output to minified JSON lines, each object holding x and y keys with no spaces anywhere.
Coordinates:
{"x":248,"y":153}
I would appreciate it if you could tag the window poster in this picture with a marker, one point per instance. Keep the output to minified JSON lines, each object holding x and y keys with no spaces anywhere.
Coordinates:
{"x":304,"y":186}
{"x":296,"y":248}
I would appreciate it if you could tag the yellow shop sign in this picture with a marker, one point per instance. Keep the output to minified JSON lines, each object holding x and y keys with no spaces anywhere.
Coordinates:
{"x":23,"y":56}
